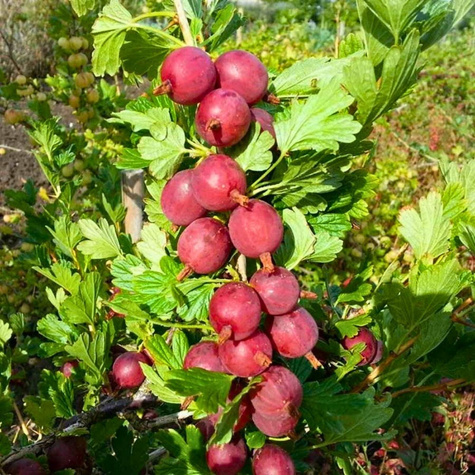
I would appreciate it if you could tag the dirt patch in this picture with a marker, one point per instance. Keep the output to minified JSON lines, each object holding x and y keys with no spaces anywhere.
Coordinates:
{"x":18,"y":164}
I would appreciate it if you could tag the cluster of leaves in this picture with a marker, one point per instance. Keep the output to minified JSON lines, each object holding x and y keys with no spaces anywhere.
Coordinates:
{"x":315,"y":180}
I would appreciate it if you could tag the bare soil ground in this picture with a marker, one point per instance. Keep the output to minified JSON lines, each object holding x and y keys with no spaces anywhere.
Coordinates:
{"x":18,"y":164}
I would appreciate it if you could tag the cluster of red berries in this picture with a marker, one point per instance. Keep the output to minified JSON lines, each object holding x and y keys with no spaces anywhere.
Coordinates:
{"x":218,"y":184}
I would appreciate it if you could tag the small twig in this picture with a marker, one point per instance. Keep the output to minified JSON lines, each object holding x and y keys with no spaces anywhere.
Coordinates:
{"x":183,"y":21}
{"x":156,"y":454}
{"x":23,"y":426}
{"x":434,"y":387}
{"x":105,"y":410}
{"x":371,"y":378}
{"x":413,"y":149}
{"x":11,"y":56}
{"x":463,"y":306}
{"x":13,"y":149}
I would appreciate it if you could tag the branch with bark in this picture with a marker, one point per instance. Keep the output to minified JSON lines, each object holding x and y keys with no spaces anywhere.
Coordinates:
{"x":105,"y":410}
{"x":379,"y":370}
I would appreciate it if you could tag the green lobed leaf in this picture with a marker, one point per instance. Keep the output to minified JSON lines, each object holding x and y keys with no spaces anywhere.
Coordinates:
{"x":186,"y":457}
{"x":156,"y":384}
{"x":81,"y":308}
{"x":307,"y":76}
{"x":143,"y":53}
{"x":129,"y":453}
{"x":56,"y":330}
{"x":66,"y":234}
{"x":350,"y":326}
{"x":101,"y":239}
{"x":81,"y":7}
{"x":399,"y":73}
{"x":319,"y":123}
{"x":428,"y":232}
{"x":298,"y":242}
{"x":152,"y":244}
{"x":5,"y":333}
{"x":109,"y":32}
{"x":326,"y":248}
{"x":345,"y":417}
{"x":397,"y":15}
{"x":334,"y":224}
{"x":42,"y":411}
{"x":210,"y":389}
{"x":161,"y":353}
{"x":254,"y":151}
{"x":58,"y":388}
{"x":165,"y":149}
{"x":60,"y":273}
{"x":142,"y":119}
{"x":93,"y":353}
{"x":5,"y":444}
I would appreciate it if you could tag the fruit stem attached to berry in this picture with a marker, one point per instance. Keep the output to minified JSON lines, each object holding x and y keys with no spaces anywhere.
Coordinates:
{"x":240,"y":199}
{"x":305,"y":294}
{"x":225,"y":334}
{"x":164,"y":88}
{"x":266,"y":260}
{"x":312,"y":359}
{"x":262,"y":359}
{"x":184,"y":273}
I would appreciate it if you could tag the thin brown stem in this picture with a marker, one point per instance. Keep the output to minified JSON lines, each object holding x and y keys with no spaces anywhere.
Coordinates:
{"x":107,"y":409}
{"x":433,"y":387}
{"x":378,"y":371}
{"x":463,"y":306}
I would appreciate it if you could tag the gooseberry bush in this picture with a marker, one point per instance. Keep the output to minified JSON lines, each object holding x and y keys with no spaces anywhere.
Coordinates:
{"x":202,"y":348}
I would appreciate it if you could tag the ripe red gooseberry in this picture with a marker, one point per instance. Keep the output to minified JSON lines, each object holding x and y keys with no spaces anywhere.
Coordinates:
{"x":204,"y":355}
{"x":272,"y":460}
{"x":126,"y":370}
{"x":227,"y":459}
{"x":279,"y":392}
{"x":364,"y":336}
{"x":178,"y":202}
{"x":188,"y":75}
{"x":294,"y":334}
{"x":256,"y":229}
{"x":235,"y":310}
{"x":246,"y":358}
{"x":67,"y":452}
{"x":223,"y":118}
{"x":204,"y":247}
{"x":25,"y":467}
{"x":278,"y":290}
{"x":242,"y":72}
{"x":219,"y":183}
